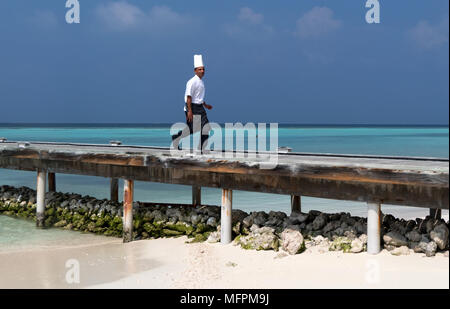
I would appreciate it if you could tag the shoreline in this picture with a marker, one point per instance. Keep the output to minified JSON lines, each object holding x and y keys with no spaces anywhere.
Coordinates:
{"x":258,"y":230}
{"x":178,"y":247}
{"x":168,"y":263}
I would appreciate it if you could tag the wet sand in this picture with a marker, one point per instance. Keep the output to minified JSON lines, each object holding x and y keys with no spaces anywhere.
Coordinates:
{"x":171,"y":263}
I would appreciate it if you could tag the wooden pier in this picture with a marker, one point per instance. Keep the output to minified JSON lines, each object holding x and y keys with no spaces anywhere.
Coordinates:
{"x":376,"y":180}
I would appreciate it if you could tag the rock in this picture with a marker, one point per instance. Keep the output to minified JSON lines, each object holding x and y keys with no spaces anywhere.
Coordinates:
{"x":330,"y":226}
{"x":399,"y":227}
{"x":61,"y":223}
{"x":247,"y":221}
{"x":360,"y":227}
{"x":148,"y":216}
{"x":350,"y":234}
{"x":173,"y":220}
{"x":263,"y":238}
{"x":315,"y":213}
{"x":195,"y":219}
{"x":277,"y":214}
{"x":394,"y":239}
{"x":403,"y":250}
{"x":237,"y":215}
{"x":318,"y":223}
{"x":214,"y":237}
{"x":212,"y":221}
{"x":255,"y":229}
{"x":349,"y":221}
{"x":421,"y":247}
{"x":341,"y":244}
{"x":388,"y":220}
{"x":173,"y":213}
{"x":68,"y":226}
{"x":317,"y":250}
{"x":298,"y":218}
{"x":410,"y":224}
{"x":413,"y":244}
{"x":198,"y":238}
{"x":363,"y":238}
{"x":339,"y":231}
{"x":231,"y":264}
{"x":430,"y":225}
{"x":335,"y":217}
{"x":425,"y":239}
{"x":319,"y":240}
{"x":236,"y":229}
{"x":292,"y":241}
{"x":414,"y":236}
{"x":260,"y":218}
{"x":440,"y":236}
{"x":275,"y":222}
{"x":389,"y":247}
{"x":357,"y":246}
{"x":159,"y":216}
{"x":431,"y":249}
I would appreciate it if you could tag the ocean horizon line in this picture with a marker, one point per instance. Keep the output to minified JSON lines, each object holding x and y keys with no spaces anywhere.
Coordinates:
{"x":167,"y":124}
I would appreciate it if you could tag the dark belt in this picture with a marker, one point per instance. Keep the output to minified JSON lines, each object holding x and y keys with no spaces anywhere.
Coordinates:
{"x":196,"y":108}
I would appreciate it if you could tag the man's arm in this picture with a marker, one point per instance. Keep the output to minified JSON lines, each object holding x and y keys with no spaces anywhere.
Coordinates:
{"x":189,"y":107}
{"x":207,"y":105}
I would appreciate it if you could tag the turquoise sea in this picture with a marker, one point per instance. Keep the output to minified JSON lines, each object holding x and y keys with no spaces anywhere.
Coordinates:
{"x":429,"y":141}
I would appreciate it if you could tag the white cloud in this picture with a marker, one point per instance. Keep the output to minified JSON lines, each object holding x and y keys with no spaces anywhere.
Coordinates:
{"x":427,"y":36}
{"x":123,"y":16}
{"x":317,"y":22}
{"x":249,"y":24}
{"x":248,"y":15}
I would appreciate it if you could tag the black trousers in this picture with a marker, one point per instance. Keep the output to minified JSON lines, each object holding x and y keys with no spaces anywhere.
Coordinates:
{"x":197,"y":110}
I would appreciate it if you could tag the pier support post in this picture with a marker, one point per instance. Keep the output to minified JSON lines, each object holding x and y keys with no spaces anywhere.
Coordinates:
{"x":373,"y":228}
{"x":51,"y":182}
{"x":196,"y":196}
{"x":225,"y":216}
{"x":435,"y":213}
{"x":114,"y":194}
{"x":296,"y":205}
{"x":128,"y":210}
{"x":40,"y":198}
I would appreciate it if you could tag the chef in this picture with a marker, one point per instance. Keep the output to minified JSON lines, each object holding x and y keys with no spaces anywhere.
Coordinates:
{"x":194,"y":98}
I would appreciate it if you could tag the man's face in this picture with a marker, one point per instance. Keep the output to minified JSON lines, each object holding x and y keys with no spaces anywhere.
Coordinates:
{"x":200,"y":71}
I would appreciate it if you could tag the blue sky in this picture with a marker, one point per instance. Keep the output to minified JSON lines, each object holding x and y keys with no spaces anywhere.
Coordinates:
{"x":309,"y":61}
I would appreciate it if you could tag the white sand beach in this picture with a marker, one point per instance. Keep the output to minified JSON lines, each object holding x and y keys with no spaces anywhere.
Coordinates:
{"x":172,"y":263}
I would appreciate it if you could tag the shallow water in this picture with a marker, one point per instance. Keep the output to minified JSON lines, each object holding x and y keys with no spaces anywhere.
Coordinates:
{"x":19,"y":234}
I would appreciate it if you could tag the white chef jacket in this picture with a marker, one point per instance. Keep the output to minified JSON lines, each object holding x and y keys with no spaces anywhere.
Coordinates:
{"x":196,"y":89}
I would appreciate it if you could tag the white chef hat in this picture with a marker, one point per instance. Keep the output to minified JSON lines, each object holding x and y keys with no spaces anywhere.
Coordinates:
{"x":198,"y":61}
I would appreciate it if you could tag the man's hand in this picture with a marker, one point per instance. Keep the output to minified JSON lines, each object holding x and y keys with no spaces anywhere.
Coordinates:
{"x":207,"y":106}
{"x":190,"y":116}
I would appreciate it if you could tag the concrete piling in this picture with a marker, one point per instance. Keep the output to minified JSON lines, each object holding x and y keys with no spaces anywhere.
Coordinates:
{"x":128,"y":210}
{"x":225,"y":217}
{"x":196,"y":196}
{"x":296,"y":205}
{"x":435,"y":213}
{"x":114,"y":190}
{"x":51,"y":182}
{"x":373,"y":228}
{"x":40,"y":198}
